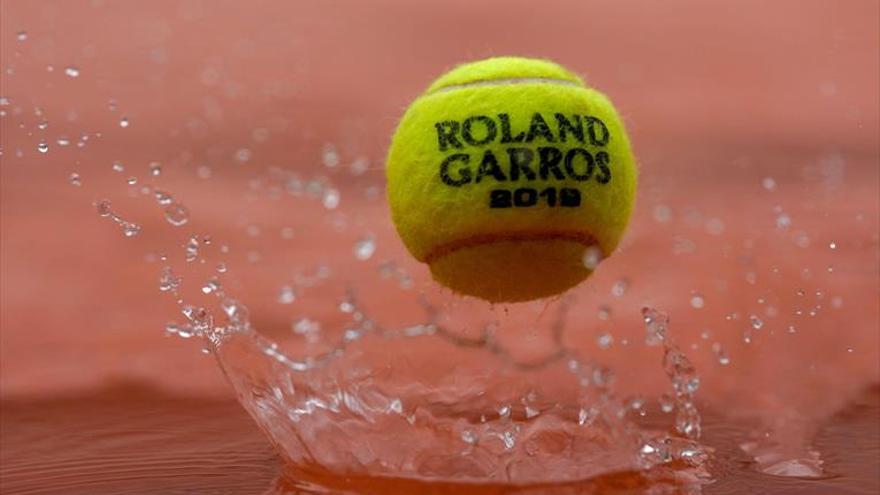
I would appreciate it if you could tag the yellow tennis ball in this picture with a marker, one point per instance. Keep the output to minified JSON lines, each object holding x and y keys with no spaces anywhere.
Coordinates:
{"x":506,"y":174}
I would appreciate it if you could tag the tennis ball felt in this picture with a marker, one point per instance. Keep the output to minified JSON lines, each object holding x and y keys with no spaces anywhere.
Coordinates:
{"x":505,"y":173}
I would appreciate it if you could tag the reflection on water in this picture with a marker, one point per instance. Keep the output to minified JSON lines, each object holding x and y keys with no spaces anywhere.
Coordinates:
{"x":130,"y":439}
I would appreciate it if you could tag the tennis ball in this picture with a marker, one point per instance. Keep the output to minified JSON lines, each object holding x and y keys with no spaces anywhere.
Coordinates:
{"x":506,"y":174}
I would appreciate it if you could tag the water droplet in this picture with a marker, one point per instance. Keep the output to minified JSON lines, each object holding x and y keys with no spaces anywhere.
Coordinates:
{"x":656,"y":324}
{"x":662,"y":213}
{"x":722,"y":357}
{"x":118,"y":167}
{"x":680,"y":370}
{"x":243,"y":155}
{"x":75,"y":179}
{"x":331,"y":198}
{"x":176,"y":214}
{"x":42,"y":125}
{"x":636,"y":403}
{"x":211,"y":286}
{"x":63,"y":141}
{"x":330,"y":156}
{"x":687,"y":421}
{"x":832,"y":245}
{"x":360,"y":165}
{"x":103,"y":208}
{"x":604,"y":313}
{"x":123,"y":122}
{"x":586,"y":416}
{"x":163,"y":198}
{"x":131,"y":181}
{"x":783,"y":221}
{"x":286,"y":295}
{"x":191,"y":249}
{"x":168,"y":282}
{"x":619,"y":288}
{"x":201,"y":319}
{"x":697,"y":301}
{"x":667,"y":403}
{"x":404,"y":281}
{"x":21,"y":36}
{"x":801,"y":240}
{"x":237,"y":314}
{"x":71,"y":71}
{"x":756,"y":322}
{"x":364,"y":248}
{"x":130,"y":229}
{"x":604,"y":340}
{"x":592,"y":257}
{"x":602,"y":376}
{"x":769,"y":183}
{"x":221,"y":268}
{"x":469,"y":437}
{"x":307,"y":327}
{"x":175,"y":329}
{"x":43,"y":147}
{"x":155,"y":169}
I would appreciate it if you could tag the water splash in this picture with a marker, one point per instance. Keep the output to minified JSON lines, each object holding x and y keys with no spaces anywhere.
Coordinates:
{"x":685,"y":383}
{"x":177,"y":214}
{"x":129,"y":229}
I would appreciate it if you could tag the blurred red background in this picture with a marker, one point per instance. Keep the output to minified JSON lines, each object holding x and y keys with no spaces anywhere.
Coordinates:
{"x":719,"y":93}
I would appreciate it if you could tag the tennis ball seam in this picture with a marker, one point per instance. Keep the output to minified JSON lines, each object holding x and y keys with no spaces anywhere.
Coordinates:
{"x":445,"y":249}
{"x":503,"y":82}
